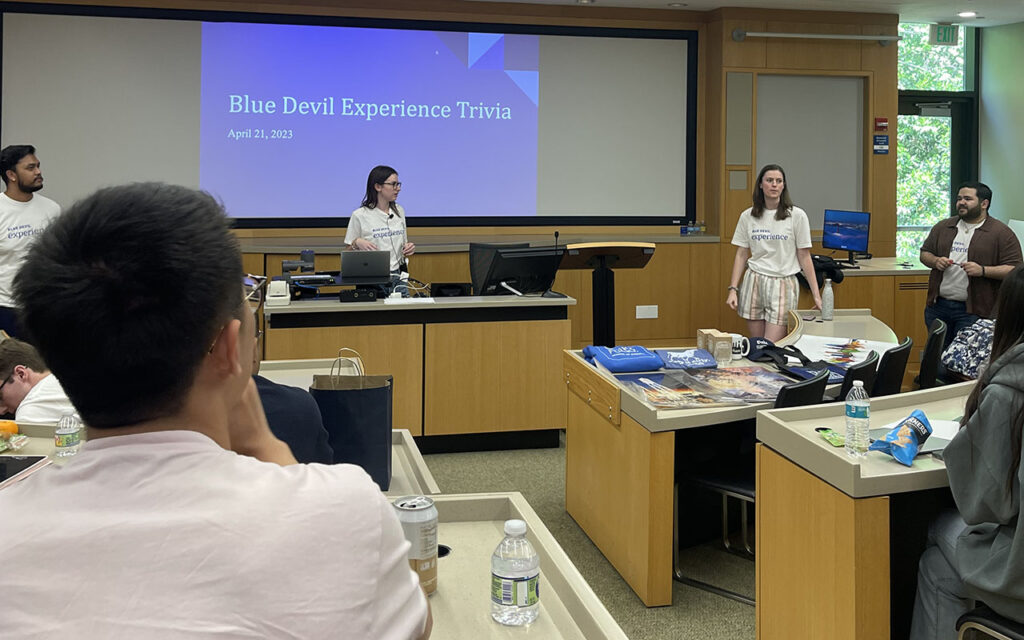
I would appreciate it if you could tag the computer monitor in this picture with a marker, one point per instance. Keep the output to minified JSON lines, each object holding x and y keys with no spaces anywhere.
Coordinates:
{"x":522,"y":271}
{"x":846,"y":231}
{"x":481,"y":255}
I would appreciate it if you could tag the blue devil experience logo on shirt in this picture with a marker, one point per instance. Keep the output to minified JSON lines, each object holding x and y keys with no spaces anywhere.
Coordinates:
{"x":385,"y":232}
{"x":22,"y":231}
{"x":761,"y":235}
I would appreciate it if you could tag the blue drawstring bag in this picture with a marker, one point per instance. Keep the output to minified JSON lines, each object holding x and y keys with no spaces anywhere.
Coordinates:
{"x":625,"y":359}
{"x":905,"y":439}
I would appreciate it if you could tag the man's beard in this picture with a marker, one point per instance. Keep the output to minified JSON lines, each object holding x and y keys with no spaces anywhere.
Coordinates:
{"x":970,"y":215}
{"x":29,"y":188}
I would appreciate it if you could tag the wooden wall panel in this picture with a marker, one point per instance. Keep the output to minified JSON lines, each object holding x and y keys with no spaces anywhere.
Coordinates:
{"x":470,"y":366}
{"x":804,"y":54}
{"x":388,"y":349}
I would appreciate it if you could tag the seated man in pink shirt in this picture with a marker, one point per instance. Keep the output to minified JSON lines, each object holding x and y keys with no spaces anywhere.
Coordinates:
{"x":182,"y":516}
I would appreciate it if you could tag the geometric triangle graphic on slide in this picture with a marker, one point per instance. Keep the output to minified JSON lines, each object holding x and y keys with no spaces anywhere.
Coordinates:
{"x":457,"y":43}
{"x":483,"y":52}
{"x":528,"y":82}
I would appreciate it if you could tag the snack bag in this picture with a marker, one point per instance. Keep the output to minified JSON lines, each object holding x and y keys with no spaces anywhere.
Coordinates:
{"x":903,"y":441}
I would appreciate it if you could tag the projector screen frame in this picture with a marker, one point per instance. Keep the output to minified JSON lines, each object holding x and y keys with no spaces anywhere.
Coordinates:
{"x":688,"y":35}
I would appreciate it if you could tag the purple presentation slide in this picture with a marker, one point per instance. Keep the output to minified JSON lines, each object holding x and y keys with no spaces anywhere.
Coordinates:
{"x":294,"y":117}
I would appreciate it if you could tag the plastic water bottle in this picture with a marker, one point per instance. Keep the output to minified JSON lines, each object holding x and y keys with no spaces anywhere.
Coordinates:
{"x":68,"y":437}
{"x":515,"y":578}
{"x":858,"y":420}
{"x":828,"y":301}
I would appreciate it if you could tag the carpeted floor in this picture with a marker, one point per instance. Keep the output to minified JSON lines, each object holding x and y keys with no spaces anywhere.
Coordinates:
{"x":540,"y":475}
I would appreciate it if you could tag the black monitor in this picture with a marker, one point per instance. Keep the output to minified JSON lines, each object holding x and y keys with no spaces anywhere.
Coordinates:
{"x":481,"y":254}
{"x":846,"y":231}
{"x":522,"y":271}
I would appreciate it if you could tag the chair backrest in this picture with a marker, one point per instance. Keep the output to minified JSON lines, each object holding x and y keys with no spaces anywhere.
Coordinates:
{"x":480,"y":256}
{"x":798,"y":394}
{"x":863,"y":371}
{"x":891,"y":367}
{"x":931,"y":355}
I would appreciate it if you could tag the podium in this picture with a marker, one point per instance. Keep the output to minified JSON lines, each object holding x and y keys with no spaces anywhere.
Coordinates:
{"x":602,"y":257}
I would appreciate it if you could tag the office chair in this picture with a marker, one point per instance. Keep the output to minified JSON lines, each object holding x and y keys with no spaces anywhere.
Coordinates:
{"x":891,"y":367}
{"x":863,"y":371}
{"x":982,"y":622}
{"x":928,"y":377}
{"x":739,"y":482}
{"x":480,"y":256}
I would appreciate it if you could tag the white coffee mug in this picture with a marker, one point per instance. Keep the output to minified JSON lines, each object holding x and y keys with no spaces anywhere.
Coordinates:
{"x":740,"y":346}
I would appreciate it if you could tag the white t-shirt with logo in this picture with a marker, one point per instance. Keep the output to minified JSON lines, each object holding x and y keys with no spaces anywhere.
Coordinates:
{"x":773,"y":243}
{"x":954,"y":278}
{"x":375,"y":225}
{"x":20,"y":222}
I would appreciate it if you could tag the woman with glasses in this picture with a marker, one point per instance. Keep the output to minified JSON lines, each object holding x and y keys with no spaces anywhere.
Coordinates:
{"x":773,"y":244}
{"x":379,"y":225}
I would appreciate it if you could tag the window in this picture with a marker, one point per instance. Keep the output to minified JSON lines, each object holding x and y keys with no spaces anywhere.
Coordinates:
{"x":937,"y":131}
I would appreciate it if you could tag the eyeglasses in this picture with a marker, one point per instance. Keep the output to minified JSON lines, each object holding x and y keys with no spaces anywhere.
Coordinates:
{"x":396,"y":185}
{"x":253,"y":288}
{"x":4,"y":383}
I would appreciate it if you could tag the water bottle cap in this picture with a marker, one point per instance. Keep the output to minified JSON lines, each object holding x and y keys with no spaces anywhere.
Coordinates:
{"x":515,"y":527}
{"x":858,"y":383}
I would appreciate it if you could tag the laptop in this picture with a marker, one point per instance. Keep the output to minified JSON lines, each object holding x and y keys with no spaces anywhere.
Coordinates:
{"x":365,"y":267}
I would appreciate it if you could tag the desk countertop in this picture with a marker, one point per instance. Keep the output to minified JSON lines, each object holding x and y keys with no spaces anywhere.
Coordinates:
{"x":791,"y":433}
{"x":848,"y":323}
{"x":460,"y":243}
{"x":331,"y":305}
{"x":886,"y":267}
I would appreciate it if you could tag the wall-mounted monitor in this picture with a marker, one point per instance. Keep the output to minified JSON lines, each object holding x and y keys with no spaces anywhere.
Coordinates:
{"x":846,"y":231}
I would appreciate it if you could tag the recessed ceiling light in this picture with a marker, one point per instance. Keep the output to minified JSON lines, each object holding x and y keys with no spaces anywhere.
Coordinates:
{"x":584,"y":1}
{"x":967,"y":14}
{"x":676,"y":5}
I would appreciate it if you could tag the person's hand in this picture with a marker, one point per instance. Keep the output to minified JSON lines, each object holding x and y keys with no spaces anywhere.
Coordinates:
{"x":408,"y":249}
{"x":249,"y":433}
{"x":817,"y":302}
{"x":732,"y":300}
{"x":973,"y":269}
{"x":361,"y":244}
{"x":942,"y":263}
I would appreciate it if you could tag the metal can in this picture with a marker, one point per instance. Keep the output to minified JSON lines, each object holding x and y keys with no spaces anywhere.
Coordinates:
{"x":418,"y":516}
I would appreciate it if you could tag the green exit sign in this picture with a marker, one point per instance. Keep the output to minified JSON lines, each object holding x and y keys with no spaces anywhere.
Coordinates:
{"x":944,"y":34}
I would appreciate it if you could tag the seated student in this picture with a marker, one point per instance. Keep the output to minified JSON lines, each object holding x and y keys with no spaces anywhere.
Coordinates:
{"x":182,"y":516}
{"x":28,"y":389}
{"x":977,"y":551}
{"x":293,"y":416}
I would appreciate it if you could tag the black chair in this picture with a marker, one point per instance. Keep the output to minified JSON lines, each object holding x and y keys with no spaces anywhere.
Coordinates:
{"x":928,"y":377}
{"x":480,"y":256}
{"x":739,"y":482}
{"x":982,"y":622}
{"x":863,"y":371}
{"x":891,"y":367}
{"x":798,"y":394}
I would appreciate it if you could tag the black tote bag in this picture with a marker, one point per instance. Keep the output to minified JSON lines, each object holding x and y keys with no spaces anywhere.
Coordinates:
{"x":357,"y":415}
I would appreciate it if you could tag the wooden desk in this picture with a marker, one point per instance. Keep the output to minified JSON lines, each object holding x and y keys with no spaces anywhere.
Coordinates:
{"x":620,"y":459}
{"x":409,"y":473}
{"x":472,"y":525}
{"x":460,"y":365}
{"x":824,"y":520}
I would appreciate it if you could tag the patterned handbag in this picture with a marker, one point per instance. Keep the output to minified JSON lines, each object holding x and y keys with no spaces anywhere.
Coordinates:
{"x":970,"y":348}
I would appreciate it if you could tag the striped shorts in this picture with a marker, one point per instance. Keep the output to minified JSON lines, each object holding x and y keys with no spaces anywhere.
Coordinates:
{"x":767,"y":298}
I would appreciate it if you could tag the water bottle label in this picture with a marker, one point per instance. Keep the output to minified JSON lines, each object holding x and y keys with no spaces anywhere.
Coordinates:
{"x":519,"y":592}
{"x":854,"y":411}
{"x":67,"y":439}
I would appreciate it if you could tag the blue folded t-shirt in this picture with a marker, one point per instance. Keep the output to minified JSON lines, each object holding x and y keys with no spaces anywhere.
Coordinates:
{"x":624,"y":359}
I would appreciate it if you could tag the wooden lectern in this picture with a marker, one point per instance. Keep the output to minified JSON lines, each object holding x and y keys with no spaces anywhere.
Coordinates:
{"x":602,"y":257}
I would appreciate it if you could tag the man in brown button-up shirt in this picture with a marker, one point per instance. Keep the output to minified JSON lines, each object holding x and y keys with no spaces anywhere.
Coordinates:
{"x":969,"y":255}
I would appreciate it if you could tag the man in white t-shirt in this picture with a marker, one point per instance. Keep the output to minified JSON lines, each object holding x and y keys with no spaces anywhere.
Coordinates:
{"x":23,"y":214}
{"x":27,"y":388}
{"x":182,"y":516}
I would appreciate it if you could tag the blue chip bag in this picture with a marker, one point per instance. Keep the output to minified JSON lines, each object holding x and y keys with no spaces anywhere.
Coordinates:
{"x":905,"y":439}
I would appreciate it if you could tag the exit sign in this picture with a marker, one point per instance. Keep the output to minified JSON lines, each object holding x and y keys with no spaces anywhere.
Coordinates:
{"x":944,"y":34}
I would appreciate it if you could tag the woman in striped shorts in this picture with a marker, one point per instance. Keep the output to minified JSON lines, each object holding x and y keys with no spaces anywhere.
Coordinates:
{"x":773,"y":244}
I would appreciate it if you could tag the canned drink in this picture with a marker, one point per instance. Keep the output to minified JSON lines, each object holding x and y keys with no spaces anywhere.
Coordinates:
{"x":418,"y":516}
